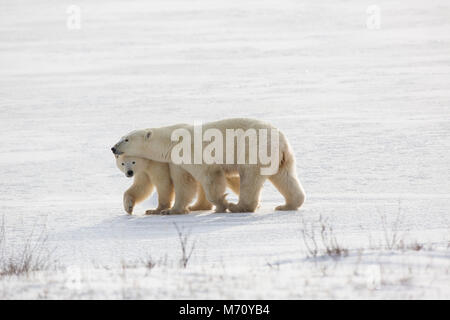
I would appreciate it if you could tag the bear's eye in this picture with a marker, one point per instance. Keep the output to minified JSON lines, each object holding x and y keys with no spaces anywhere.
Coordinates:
{"x":134,"y":162}
{"x":126,"y":140}
{"x":123,"y":163}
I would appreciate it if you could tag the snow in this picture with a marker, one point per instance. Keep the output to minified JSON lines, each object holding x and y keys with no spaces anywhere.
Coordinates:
{"x":366,"y":111}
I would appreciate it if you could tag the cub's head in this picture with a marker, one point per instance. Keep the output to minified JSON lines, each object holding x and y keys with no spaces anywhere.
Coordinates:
{"x":131,"y":165}
{"x":133,"y":143}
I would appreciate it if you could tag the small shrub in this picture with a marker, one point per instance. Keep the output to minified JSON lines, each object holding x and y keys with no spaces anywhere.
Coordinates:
{"x":391,"y":231}
{"x":186,"y":247}
{"x":329,"y":244}
{"x":33,"y":256}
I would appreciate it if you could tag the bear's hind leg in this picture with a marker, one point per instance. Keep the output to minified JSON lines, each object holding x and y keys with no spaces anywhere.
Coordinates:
{"x":288,"y":185}
{"x":251,"y":183}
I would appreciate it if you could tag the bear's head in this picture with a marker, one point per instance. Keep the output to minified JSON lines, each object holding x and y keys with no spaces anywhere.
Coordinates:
{"x":133,"y":143}
{"x":131,"y":165}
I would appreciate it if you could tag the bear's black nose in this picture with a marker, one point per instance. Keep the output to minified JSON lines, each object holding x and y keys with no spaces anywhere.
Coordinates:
{"x":113,"y":150}
{"x":129,"y":173}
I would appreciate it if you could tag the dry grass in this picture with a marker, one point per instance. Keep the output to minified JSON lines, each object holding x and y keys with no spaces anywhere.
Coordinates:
{"x":391,"y":231}
{"x":149,"y":263}
{"x":32,"y":256}
{"x":326,"y":243}
{"x":394,"y":233}
{"x":414,"y":246}
{"x":329,"y":240}
{"x":187,"y":246}
{"x":2,"y":236}
{"x":320,"y":239}
{"x":309,"y":238}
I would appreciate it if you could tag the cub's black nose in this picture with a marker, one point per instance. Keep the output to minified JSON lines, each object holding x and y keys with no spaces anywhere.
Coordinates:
{"x":129,"y":173}
{"x":113,"y":150}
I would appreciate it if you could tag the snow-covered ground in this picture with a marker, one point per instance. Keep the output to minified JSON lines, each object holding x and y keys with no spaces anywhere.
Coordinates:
{"x":366,"y":110}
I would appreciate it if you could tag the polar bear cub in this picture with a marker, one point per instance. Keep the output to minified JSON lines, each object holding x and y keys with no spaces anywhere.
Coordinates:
{"x":149,"y":174}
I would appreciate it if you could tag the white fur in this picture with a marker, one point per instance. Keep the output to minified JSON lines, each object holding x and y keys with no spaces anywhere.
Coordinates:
{"x":156,"y":144}
{"x":149,"y":174}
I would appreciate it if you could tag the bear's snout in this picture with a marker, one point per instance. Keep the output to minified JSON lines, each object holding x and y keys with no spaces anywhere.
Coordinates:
{"x":116,"y":151}
{"x":130,"y":173}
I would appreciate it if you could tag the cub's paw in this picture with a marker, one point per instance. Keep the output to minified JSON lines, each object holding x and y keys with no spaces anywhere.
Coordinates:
{"x":223,"y":205}
{"x":128,"y":204}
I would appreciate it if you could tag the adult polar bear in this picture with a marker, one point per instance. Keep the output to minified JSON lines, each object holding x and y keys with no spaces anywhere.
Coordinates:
{"x":157,"y":144}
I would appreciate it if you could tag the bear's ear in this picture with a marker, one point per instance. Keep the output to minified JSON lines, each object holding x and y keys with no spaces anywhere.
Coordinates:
{"x":148,"y":134}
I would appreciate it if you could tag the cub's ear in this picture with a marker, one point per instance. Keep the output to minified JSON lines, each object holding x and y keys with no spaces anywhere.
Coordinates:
{"x":148,"y":134}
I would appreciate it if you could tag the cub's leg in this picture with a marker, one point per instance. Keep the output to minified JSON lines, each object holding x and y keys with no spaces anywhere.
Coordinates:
{"x":185,"y":190}
{"x":233,"y":182}
{"x":141,"y":188}
{"x":160,"y":176}
{"x":286,"y":181}
{"x":214,"y":184}
{"x":165,"y":196}
{"x":251,"y":182}
{"x":202,"y":203}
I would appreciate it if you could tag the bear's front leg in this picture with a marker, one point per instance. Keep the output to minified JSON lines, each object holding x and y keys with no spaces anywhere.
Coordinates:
{"x":158,"y":210}
{"x":128,"y":203}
